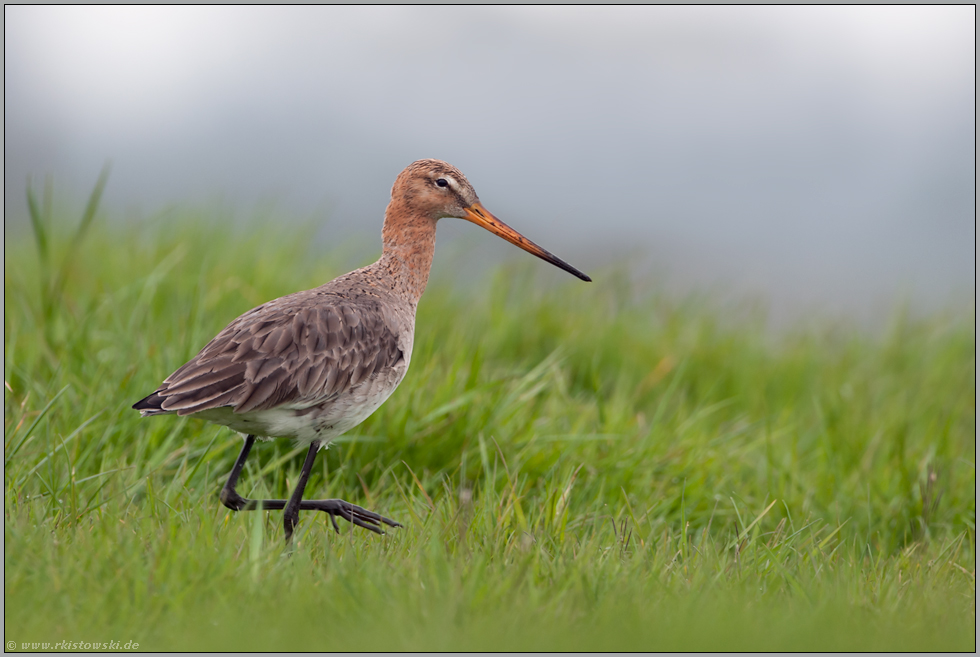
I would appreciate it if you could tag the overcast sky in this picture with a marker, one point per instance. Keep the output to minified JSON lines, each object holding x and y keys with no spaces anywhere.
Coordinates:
{"x":821,"y":156}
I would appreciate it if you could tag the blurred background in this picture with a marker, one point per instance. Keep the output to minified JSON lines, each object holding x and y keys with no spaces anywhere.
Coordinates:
{"x":821,"y":159}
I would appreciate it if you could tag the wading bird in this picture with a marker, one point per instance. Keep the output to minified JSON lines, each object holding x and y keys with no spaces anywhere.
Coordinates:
{"x":312,"y":365}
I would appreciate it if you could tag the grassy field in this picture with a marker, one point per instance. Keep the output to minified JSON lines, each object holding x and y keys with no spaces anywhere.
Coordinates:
{"x":578,"y":467}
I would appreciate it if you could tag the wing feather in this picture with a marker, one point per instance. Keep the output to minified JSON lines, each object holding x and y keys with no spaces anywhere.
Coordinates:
{"x":301,"y":349}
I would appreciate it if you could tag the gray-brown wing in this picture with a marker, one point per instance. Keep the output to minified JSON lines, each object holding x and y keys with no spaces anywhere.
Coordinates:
{"x":301,"y":352}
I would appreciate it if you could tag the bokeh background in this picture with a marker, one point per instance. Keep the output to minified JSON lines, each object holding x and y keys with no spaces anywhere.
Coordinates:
{"x":821,"y":159}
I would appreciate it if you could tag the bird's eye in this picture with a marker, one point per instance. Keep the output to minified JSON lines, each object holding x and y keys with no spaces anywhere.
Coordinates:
{"x":442,"y":182}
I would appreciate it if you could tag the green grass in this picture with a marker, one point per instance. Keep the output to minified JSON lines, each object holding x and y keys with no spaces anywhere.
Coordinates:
{"x":578,"y":467}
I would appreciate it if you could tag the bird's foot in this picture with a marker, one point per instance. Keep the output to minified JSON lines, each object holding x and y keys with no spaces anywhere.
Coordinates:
{"x":350,"y":512}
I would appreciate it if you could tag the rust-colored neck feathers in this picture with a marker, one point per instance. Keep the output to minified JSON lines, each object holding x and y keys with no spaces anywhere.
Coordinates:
{"x":409,"y":242}
{"x":423,"y":193}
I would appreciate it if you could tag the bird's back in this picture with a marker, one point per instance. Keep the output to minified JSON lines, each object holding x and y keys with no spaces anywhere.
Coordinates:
{"x":309,"y":365}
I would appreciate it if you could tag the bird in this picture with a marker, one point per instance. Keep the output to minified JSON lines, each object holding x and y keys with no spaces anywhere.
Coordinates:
{"x":313,"y":365}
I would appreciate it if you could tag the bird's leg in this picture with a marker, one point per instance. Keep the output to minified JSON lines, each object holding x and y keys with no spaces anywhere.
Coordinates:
{"x":349,"y":512}
{"x":291,"y":512}
{"x":228,"y":495}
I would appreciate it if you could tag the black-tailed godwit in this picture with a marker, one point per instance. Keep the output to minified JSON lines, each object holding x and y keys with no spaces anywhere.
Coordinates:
{"x":314,"y":364}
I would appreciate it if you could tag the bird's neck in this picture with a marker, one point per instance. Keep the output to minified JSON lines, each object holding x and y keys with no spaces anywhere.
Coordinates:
{"x":409,"y":242}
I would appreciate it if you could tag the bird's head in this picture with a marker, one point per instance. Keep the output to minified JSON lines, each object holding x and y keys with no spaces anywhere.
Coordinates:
{"x":436,"y":190}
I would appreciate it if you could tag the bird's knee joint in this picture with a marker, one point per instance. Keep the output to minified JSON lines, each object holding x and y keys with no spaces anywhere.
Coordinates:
{"x":231,"y":499}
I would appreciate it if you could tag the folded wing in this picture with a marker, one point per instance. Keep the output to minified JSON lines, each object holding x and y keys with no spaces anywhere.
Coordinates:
{"x":285,"y":352}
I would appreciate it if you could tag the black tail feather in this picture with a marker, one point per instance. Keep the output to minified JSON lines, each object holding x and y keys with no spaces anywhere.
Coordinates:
{"x":151,"y":403}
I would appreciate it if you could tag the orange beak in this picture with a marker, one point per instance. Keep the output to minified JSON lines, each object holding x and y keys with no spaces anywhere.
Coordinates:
{"x":480,"y":216}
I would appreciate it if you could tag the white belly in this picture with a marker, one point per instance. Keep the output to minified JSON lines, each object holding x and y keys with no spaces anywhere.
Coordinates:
{"x":319,"y":422}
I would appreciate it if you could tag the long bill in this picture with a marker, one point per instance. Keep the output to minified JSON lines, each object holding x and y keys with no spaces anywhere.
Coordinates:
{"x":480,"y":216}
